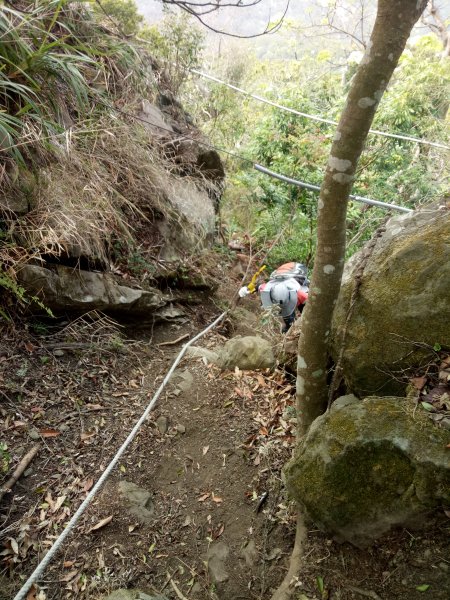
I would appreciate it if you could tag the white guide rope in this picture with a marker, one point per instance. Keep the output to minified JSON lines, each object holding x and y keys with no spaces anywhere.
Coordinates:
{"x":73,"y":521}
{"x":316,"y":188}
{"x":395,"y":136}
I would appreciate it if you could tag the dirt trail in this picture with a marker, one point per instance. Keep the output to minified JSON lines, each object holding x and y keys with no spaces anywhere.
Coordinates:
{"x":181,"y":511}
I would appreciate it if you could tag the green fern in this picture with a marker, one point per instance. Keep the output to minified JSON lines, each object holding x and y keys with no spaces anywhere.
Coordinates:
{"x":9,"y":284}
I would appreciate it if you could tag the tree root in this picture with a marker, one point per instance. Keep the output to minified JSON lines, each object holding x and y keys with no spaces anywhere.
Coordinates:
{"x":286,"y":588}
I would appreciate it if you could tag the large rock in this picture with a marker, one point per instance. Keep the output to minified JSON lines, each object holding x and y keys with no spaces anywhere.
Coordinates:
{"x":366,"y":466}
{"x":249,"y":352}
{"x":192,"y":223}
{"x":402,"y":305}
{"x":63,"y":288}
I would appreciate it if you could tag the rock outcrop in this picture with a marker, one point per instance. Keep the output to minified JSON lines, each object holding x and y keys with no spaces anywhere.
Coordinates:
{"x":402,"y":309}
{"x":140,"y":200}
{"x":368,"y":465}
{"x":63,"y":288}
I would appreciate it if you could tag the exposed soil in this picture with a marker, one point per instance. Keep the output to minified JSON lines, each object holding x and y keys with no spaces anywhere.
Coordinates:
{"x":218,"y":525}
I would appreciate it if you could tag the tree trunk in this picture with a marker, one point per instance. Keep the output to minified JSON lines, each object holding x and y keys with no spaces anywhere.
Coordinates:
{"x":394,"y":22}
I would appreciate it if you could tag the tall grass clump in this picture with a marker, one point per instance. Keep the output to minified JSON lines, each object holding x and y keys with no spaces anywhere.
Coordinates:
{"x":60,"y":73}
{"x":57,"y":62}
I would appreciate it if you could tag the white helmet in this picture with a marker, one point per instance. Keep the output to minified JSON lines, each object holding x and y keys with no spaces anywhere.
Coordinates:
{"x":279,"y":293}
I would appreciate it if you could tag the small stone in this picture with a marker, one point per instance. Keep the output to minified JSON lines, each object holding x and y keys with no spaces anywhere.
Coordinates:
{"x":217,"y":555}
{"x":250,"y":553}
{"x":28,"y":472}
{"x":34,"y":434}
{"x":445,"y":422}
{"x":186,"y":380}
{"x":132,"y":595}
{"x":180,"y":428}
{"x":162,"y":424}
{"x":443,"y":566}
{"x":138,"y":500}
{"x":58,"y":352}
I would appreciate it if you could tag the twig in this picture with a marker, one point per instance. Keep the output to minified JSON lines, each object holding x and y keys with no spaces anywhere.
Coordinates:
{"x":172,"y":342}
{"x":19,"y":470}
{"x":176,"y":588}
{"x":68,"y":346}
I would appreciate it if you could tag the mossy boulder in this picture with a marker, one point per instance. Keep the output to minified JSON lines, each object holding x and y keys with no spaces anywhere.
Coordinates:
{"x":402,"y":309}
{"x":248,"y":353}
{"x":366,"y":466}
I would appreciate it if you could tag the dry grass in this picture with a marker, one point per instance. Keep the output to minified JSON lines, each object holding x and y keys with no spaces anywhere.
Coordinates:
{"x":97,"y":178}
{"x":94,"y":194}
{"x":93,"y":327}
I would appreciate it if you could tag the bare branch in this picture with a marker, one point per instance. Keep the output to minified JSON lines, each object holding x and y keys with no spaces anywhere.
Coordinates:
{"x":201,"y":9}
{"x":439,"y":26}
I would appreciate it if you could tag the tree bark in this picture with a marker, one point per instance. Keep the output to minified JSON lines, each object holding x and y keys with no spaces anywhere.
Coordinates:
{"x":394,"y":22}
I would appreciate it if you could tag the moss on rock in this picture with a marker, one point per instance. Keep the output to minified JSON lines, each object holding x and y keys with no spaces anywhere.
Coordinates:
{"x":402,"y":302}
{"x":368,"y":466}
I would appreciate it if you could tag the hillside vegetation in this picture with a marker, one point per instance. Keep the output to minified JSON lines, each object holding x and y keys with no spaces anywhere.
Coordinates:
{"x":84,"y":175}
{"x":133,"y":219}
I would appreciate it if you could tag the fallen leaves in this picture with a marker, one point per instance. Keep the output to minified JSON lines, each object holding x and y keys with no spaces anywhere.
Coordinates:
{"x":68,"y":576}
{"x":101,"y":524}
{"x":87,"y":485}
{"x":57,"y":505}
{"x":68,"y":563}
{"x":214,"y":498}
{"x":419,"y":382}
{"x":85,"y":436}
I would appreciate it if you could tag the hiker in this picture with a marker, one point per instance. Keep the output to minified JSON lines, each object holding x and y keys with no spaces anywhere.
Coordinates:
{"x":287,"y":287}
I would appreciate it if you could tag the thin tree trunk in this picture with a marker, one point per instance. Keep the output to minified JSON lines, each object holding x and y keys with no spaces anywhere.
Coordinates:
{"x":393,"y":25}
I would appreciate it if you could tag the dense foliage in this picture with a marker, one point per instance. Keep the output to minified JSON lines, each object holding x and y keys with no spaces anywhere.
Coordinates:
{"x":395,"y":171}
{"x":62,"y":61}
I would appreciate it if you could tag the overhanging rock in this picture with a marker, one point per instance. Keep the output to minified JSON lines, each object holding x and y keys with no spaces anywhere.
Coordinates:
{"x":63,"y":288}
